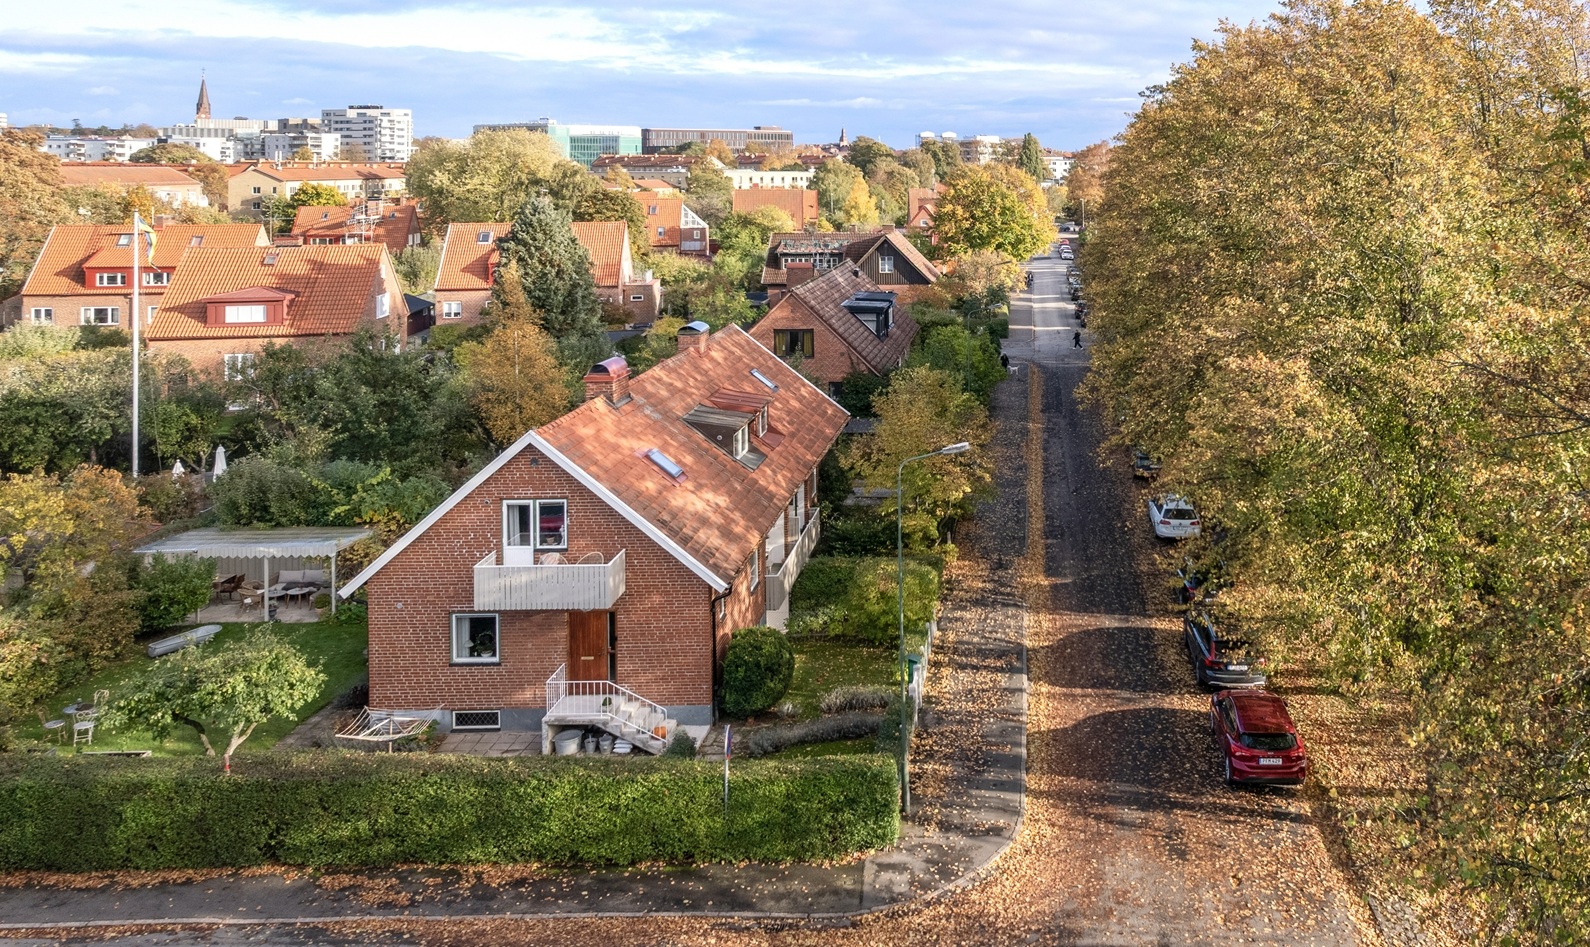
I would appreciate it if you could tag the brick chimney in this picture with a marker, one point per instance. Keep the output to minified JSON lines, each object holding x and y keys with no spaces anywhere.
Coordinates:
{"x":608,"y":379}
{"x":797,"y":273}
{"x":693,"y":337}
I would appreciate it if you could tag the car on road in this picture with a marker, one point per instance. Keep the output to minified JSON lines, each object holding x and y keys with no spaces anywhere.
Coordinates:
{"x":1074,"y":279}
{"x":1199,"y":583}
{"x":1173,"y":517}
{"x":1219,"y":658}
{"x":1144,"y":466}
{"x":1066,"y":254}
{"x":1258,"y":741}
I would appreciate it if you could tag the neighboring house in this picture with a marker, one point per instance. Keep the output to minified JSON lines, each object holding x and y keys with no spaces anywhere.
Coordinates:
{"x":799,"y":203}
{"x":747,"y":178}
{"x":674,"y":169}
{"x":839,"y":323}
{"x":887,"y":257}
{"x":469,"y":266}
{"x":165,"y":183}
{"x":395,"y":224}
{"x":657,"y":186}
{"x":252,"y":183}
{"x":594,"y":572}
{"x":922,"y":204}
{"x":811,"y":160}
{"x":83,"y":275}
{"x":224,"y":305}
{"x":670,"y":225}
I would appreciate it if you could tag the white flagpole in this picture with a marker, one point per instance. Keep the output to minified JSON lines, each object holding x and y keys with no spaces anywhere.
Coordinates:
{"x":137,"y":276}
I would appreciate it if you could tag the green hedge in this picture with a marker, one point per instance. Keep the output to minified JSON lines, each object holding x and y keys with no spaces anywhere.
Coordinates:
{"x":89,"y":814}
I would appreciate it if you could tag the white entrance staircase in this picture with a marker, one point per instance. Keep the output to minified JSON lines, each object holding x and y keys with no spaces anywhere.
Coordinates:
{"x":607,"y":706}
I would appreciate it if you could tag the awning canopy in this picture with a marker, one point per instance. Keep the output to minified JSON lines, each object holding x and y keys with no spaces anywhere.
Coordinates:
{"x":212,"y":542}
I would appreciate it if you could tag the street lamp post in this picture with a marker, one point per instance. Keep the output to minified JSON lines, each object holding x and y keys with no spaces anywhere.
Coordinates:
{"x":899,"y":562}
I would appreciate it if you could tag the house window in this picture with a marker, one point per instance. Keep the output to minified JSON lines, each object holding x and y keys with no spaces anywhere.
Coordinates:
{"x":787,"y":342}
{"x":542,"y":524}
{"x":742,"y":441}
{"x":662,"y":231}
{"x":256,"y":205}
{"x":885,"y":264}
{"x":483,"y":237}
{"x":197,"y":240}
{"x":475,"y":640}
{"x":256,"y":191}
{"x":756,"y":568}
{"x":245,"y":313}
{"x":156,"y":278}
{"x":636,"y":298}
{"x":110,"y":279}
{"x":101,"y":315}
{"x":43,"y":315}
{"x":152,"y":311}
{"x":453,"y":310}
{"x":651,"y":210}
{"x":239,"y":367}
{"x":383,"y":306}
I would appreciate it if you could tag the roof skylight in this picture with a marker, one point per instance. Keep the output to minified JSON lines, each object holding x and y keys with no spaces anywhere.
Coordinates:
{"x":665,"y":463}
{"x":770,"y":383}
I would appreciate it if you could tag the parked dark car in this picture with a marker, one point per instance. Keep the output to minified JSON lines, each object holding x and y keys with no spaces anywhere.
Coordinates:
{"x":1219,"y":658}
{"x":1257,"y":740}
{"x":1200,"y":583}
{"x":1143,"y":465}
{"x":1076,"y":294}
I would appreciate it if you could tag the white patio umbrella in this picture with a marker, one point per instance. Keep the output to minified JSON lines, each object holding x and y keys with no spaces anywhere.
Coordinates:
{"x":220,"y":460}
{"x":177,"y":470}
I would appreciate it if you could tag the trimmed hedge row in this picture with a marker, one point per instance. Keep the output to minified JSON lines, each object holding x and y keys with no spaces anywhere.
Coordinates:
{"x":81,"y":814}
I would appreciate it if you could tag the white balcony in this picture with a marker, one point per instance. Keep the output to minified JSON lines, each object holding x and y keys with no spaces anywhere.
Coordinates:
{"x":781,"y":576}
{"x":586,"y":585}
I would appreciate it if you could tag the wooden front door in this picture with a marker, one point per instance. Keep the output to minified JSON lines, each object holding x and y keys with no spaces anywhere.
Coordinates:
{"x":589,"y":655}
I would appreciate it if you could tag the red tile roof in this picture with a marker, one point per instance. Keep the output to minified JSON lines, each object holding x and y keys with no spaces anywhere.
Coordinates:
{"x":394,"y":227}
{"x":59,"y":269}
{"x":856,"y":247}
{"x":466,"y":262}
{"x":823,"y":299}
{"x":332,"y":287}
{"x":80,"y":174}
{"x":720,"y":510}
{"x":607,"y":241}
{"x":799,"y":203}
{"x":324,"y":172}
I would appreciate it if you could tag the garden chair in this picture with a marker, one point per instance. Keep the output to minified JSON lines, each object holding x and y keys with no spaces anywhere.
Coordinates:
{"x":56,"y":726}
{"x":553,"y":559}
{"x":590,"y":559}
{"x":83,"y":730}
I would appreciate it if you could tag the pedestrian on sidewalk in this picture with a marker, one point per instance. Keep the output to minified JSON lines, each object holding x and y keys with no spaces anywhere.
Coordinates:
{"x":1004,"y":361}
{"x":1076,"y":338}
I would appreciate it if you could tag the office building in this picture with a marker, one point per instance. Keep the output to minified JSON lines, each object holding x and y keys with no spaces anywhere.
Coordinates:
{"x":381,"y":134}
{"x":765,"y":137}
{"x":582,"y":143}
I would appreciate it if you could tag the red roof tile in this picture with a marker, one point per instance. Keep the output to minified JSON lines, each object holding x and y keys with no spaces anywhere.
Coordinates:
{"x":80,"y":174}
{"x":823,"y":299}
{"x":396,"y":224}
{"x":466,"y":261}
{"x":607,"y":241}
{"x":332,"y":287}
{"x":59,"y":269}
{"x":799,"y":203}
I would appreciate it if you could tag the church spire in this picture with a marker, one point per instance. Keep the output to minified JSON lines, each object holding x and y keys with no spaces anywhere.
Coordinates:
{"x":202,"y":110}
{"x":843,"y":138}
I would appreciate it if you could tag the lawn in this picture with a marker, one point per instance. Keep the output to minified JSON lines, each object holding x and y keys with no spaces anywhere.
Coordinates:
{"x":338,"y":649}
{"x":822,"y":664}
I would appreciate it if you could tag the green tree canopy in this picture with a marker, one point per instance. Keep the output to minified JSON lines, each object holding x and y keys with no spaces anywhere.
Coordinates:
{"x":555,"y":272}
{"x":865,"y":153}
{"x":709,"y":192}
{"x":170,"y":153}
{"x":838,"y":194}
{"x":992,"y":207}
{"x":1029,"y":158}
{"x":314,"y":194}
{"x":486,"y":178}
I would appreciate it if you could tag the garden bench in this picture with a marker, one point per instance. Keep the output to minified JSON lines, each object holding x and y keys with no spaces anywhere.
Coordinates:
{"x":198,"y":635}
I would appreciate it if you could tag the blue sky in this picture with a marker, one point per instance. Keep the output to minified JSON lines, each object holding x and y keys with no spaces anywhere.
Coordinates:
{"x":1068,"y":71}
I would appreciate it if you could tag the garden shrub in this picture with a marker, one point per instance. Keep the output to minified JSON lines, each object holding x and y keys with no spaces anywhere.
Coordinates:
{"x":857,"y":531}
{"x":825,"y":580}
{"x":256,"y":491}
{"x":378,"y":809}
{"x":857,"y":390}
{"x":321,"y":600}
{"x":897,"y":715}
{"x":683,"y":744}
{"x":764,"y":740}
{"x":172,"y":589}
{"x":849,"y":698}
{"x":171,"y":498}
{"x":872,"y":611}
{"x":350,"y":613}
{"x":757,"y":670}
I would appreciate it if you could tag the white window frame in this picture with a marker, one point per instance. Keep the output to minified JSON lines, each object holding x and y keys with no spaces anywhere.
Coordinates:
{"x":452,"y":310}
{"x":742,"y":441}
{"x":383,"y":306}
{"x":110,"y":279}
{"x":637,"y":298}
{"x":124,"y":240}
{"x":256,"y":191}
{"x":241,"y":314}
{"x":885,"y":264}
{"x":756,"y":568}
{"x":662,"y":231}
{"x":156,"y":278}
{"x":509,"y":531}
{"x":237,"y":366}
{"x":152,"y":311}
{"x":455,"y":652}
{"x":90,"y":315}
{"x":42,"y":315}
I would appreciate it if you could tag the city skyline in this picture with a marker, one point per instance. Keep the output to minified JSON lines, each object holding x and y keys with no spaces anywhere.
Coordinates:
{"x":888,"y":71}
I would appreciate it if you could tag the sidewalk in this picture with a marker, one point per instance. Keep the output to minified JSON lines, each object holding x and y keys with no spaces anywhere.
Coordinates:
{"x":968,"y":783}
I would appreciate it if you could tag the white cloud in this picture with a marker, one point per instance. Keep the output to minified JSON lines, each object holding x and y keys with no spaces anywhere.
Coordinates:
{"x":297,"y":100}
{"x":102,"y":90}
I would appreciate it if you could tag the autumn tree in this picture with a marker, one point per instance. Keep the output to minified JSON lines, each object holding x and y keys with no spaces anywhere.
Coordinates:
{"x":842,"y":194}
{"x":170,"y":153}
{"x":922,"y":410}
{"x":554,"y":272}
{"x":719,"y":149}
{"x":314,"y":194}
{"x":992,"y":207}
{"x":602,"y":204}
{"x":1085,"y":182}
{"x":226,"y":690}
{"x":213,"y":178}
{"x":618,"y":177}
{"x":486,"y":178}
{"x":514,"y":378}
{"x":709,"y":192}
{"x":30,"y":204}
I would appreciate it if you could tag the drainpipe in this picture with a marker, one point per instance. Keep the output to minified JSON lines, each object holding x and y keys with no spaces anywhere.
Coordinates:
{"x":717,"y":669}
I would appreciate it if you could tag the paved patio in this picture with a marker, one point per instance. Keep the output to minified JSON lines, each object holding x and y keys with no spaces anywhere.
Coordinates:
{"x":500,"y":743}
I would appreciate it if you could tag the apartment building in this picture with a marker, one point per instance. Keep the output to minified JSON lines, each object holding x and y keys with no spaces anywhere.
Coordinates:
{"x":94,"y":147}
{"x":383,"y":134}
{"x":765,"y":137}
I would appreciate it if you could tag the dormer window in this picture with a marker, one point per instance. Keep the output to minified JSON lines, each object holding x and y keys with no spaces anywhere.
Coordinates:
{"x":245,"y":313}
{"x":742,"y":441}
{"x":110,"y":279}
{"x":156,"y":278}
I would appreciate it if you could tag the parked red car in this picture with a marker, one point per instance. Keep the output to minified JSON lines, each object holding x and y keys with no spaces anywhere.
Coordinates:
{"x":1257,"y":738}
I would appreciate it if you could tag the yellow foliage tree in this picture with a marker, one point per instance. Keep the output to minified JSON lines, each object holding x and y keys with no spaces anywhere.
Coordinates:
{"x":514,"y":378}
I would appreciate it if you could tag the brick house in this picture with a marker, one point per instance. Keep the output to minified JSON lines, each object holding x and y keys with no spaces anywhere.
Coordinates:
{"x":887,"y":258}
{"x":674,"y":169}
{"x":799,"y":203}
{"x":163,"y":182}
{"x":922,"y":204}
{"x":608,"y":556}
{"x":84,"y":272}
{"x":224,"y":305}
{"x":469,"y":266}
{"x":396,"y":224}
{"x":251,"y":183}
{"x":839,"y":323}
{"x":670,"y":225}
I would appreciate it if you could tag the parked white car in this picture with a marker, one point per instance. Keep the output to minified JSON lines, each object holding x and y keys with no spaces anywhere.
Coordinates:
{"x":1173,"y":517}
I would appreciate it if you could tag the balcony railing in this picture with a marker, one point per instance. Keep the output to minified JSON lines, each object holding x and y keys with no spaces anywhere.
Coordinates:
{"x":558,"y":586}
{"x":781,"y":576}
